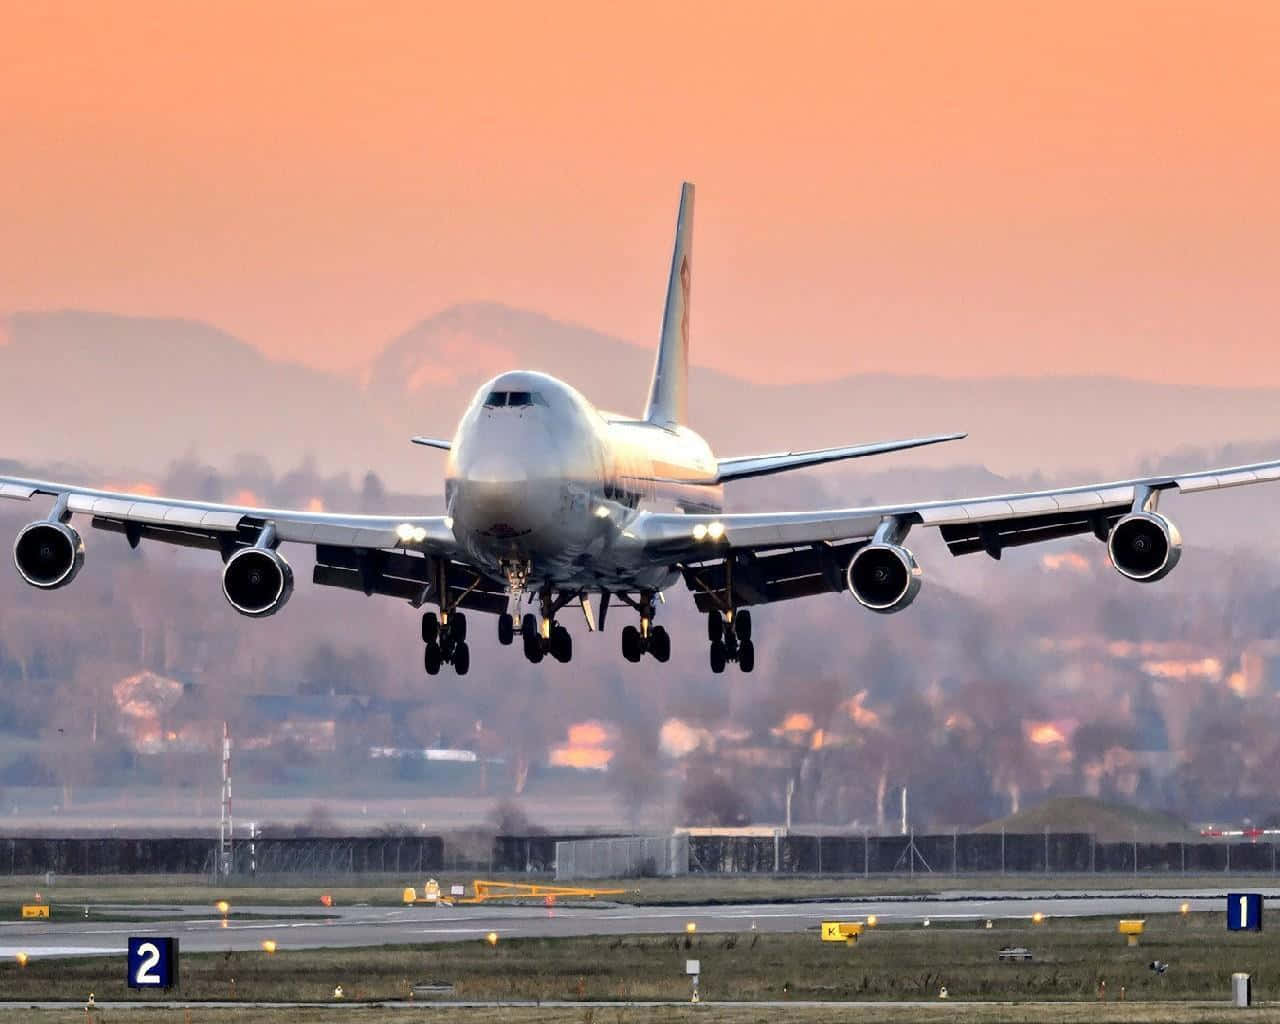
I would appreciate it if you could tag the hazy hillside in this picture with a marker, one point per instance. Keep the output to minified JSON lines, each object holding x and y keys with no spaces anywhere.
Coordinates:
{"x":132,"y":394}
{"x":1109,"y":822}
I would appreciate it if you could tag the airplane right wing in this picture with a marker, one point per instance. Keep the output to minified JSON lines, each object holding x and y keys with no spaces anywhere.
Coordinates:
{"x":756,"y":558}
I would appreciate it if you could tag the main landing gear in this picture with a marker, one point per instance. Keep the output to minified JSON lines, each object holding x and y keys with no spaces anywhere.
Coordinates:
{"x":648,"y":638}
{"x":731,"y":640}
{"x":446,"y":642}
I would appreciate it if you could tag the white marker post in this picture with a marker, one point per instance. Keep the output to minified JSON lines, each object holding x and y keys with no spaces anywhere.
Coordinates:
{"x":693,"y":968}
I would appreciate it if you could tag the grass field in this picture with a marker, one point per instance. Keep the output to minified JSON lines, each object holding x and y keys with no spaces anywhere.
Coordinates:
{"x":1040,"y":1013}
{"x":690,"y":889}
{"x":1072,"y":957}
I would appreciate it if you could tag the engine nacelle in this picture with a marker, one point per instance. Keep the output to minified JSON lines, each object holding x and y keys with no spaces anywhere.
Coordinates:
{"x":884,"y":577}
{"x":1144,"y":546}
{"x":48,"y":554}
{"x":257,"y":582}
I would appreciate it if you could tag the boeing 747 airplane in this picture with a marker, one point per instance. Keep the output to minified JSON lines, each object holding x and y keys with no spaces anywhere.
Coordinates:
{"x":551,"y":502}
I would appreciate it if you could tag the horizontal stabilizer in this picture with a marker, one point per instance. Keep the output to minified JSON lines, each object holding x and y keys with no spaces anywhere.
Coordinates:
{"x":432,"y":442}
{"x":761,"y":465}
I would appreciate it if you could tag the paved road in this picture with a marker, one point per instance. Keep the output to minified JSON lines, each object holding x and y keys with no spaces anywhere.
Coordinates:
{"x":370,"y":926}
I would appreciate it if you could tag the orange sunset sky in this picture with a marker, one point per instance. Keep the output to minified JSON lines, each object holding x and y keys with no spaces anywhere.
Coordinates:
{"x":963,"y":188}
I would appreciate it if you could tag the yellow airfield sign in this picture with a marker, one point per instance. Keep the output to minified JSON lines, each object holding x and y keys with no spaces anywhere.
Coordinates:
{"x":35,"y":910}
{"x":841,"y":931}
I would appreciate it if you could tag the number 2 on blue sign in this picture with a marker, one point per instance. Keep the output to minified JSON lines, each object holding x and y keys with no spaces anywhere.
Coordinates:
{"x":150,"y":956}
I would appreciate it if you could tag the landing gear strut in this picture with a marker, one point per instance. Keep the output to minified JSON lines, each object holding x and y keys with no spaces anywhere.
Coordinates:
{"x":648,"y":638}
{"x":731,"y":640}
{"x":446,"y":642}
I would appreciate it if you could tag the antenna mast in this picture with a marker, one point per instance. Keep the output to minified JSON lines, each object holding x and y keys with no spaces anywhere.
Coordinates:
{"x":225,"y":829}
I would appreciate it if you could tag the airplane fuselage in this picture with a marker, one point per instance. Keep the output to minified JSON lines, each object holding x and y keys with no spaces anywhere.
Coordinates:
{"x":540,"y":482}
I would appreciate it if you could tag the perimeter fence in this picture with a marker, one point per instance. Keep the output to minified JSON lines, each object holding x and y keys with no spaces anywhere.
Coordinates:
{"x":579,"y":856}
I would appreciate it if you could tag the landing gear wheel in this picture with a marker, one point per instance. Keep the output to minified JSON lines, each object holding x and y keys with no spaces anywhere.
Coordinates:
{"x":458,"y":627}
{"x":561,"y":644}
{"x":430,"y":628}
{"x":660,"y":644}
{"x":715,"y":626}
{"x":631,"y":649}
{"x":717,"y":656}
{"x":742,"y":625}
{"x":747,"y":656}
{"x":431,"y":659}
{"x":529,"y":627}
{"x":506,"y":629}
{"x":462,"y":659}
{"x":533,"y":647}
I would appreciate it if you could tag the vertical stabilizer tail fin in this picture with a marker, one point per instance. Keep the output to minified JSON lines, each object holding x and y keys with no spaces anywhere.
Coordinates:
{"x":669,"y":392}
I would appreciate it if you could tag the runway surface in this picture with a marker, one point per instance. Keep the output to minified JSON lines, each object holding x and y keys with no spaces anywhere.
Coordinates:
{"x":375,"y":926}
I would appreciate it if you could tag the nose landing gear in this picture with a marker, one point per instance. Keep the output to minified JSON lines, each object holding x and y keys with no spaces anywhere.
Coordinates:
{"x":731,"y":641}
{"x":548,"y":636}
{"x":446,"y":643}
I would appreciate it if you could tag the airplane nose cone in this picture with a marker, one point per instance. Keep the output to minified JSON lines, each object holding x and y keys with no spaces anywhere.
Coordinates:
{"x":504,"y":494}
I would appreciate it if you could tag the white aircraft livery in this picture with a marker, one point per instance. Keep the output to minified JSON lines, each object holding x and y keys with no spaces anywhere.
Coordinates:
{"x":551,"y":502}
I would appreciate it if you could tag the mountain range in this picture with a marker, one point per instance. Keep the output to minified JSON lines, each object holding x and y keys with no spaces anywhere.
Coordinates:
{"x":127,"y":395}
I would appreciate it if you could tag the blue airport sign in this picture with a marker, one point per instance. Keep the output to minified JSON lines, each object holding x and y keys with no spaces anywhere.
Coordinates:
{"x":153,"y":963}
{"x":1244,"y":912}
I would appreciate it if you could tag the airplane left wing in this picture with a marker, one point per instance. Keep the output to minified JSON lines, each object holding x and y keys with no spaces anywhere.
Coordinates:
{"x":756,"y":558}
{"x":394,"y":555}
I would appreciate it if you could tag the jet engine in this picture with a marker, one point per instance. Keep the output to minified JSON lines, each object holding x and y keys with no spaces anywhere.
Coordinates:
{"x":884,"y":577}
{"x":1144,"y":546}
{"x":257,"y":581}
{"x":48,"y":554}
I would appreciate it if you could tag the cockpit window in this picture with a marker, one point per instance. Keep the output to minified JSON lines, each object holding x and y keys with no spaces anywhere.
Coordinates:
{"x":498,"y":399}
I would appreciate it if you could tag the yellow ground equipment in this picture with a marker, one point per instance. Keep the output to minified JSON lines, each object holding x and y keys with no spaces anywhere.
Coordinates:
{"x":841,"y":931}
{"x":484,"y":891}
{"x":430,"y":894}
{"x":1131,"y":929}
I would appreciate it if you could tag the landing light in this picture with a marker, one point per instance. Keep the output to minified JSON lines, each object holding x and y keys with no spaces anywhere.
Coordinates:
{"x":22,"y":959}
{"x":715,"y":530}
{"x":268,"y":945}
{"x":699,"y":531}
{"x":420,"y":534}
{"x":448,"y":522}
{"x":405,"y":531}
{"x":602,"y":512}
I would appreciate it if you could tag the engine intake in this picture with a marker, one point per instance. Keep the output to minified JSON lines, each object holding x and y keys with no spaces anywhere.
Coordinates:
{"x":257,"y":582}
{"x":1144,"y":546}
{"x":48,"y":554}
{"x":884,"y":577}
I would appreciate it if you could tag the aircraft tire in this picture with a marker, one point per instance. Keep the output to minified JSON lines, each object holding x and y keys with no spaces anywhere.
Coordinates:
{"x":462,"y":659}
{"x":742,"y":625}
{"x":561,"y":644}
{"x":533,"y":648}
{"x":431,"y":659}
{"x":715,"y":626}
{"x":430,"y":628}
{"x":717,"y":656}
{"x":660,"y":644}
{"x":506,"y":629}
{"x":529,"y":626}
{"x":747,"y":656}
{"x":631,"y":649}
{"x":458,"y":627}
